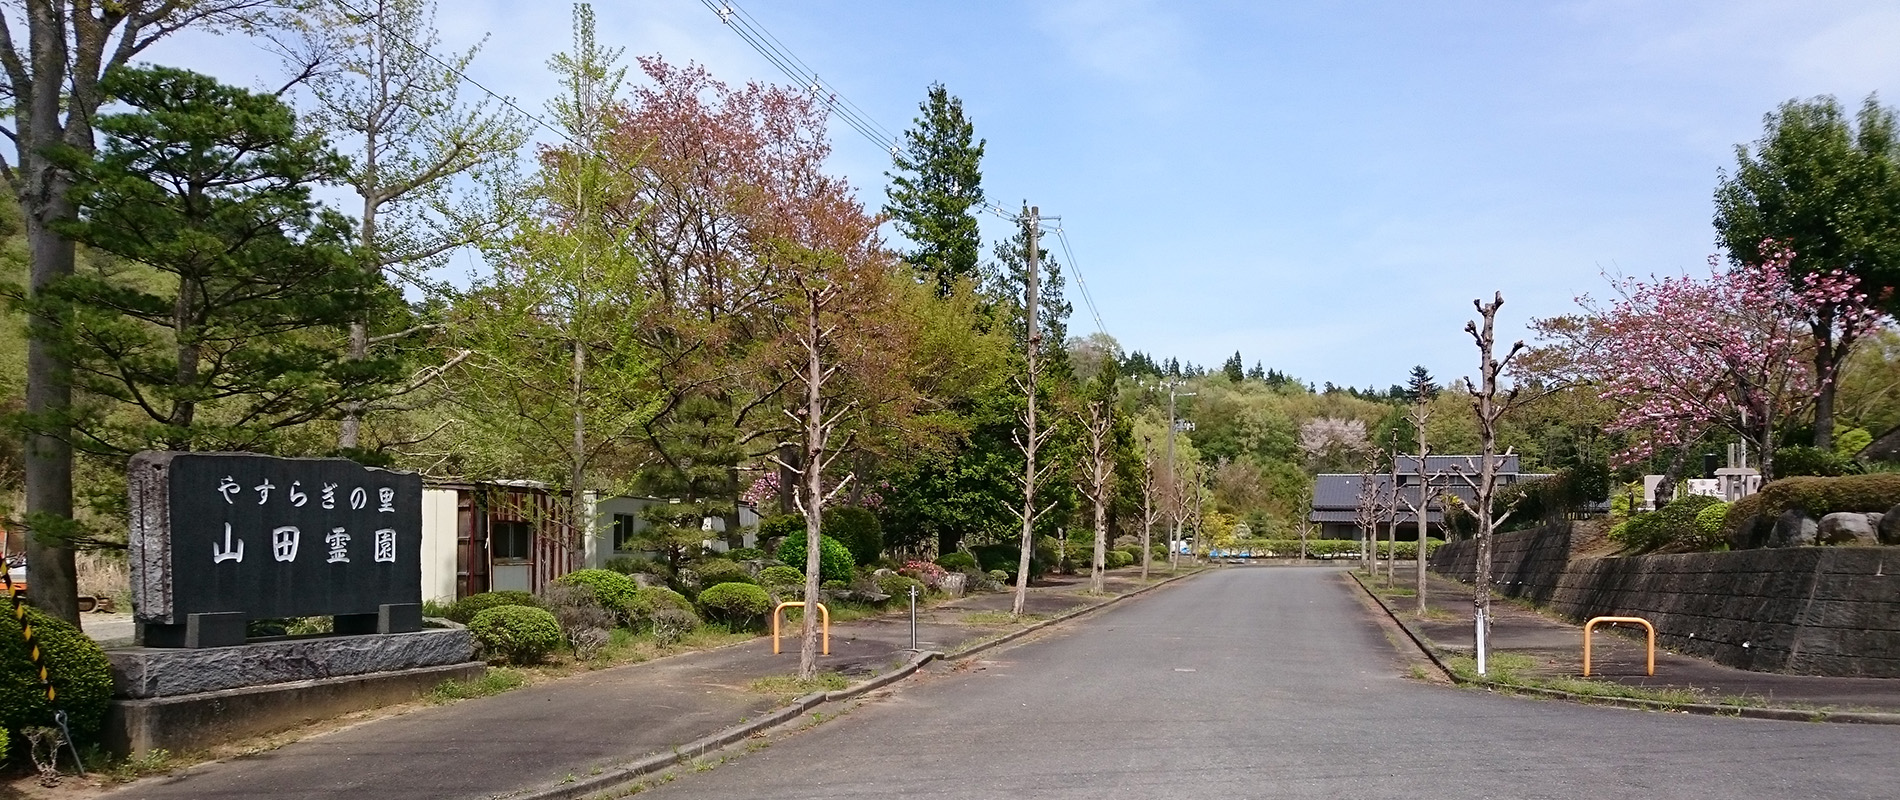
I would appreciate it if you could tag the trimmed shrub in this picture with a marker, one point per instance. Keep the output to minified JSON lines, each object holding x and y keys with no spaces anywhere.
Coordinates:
{"x":1007,"y":557}
{"x":713,"y":572}
{"x":1116,"y":559}
{"x":738,"y":603}
{"x":81,"y":676}
{"x":834,"y":585}
{"x":635,"y":565}
{"x":1708,"y":527}
{"x":1818,"y":497}
{"x":744,"y":554}
{"x":898,"y":586}
{"x":466,"y":608}
{"x":516,"y":634}
{"x":1674,"y":524}
{"x":612,"y":590}
{"x":773,"y":530}
{"x":1812,"y":461}
{"x":781,"y":576}
{"x":1134,"y":553}
{"x":660,"y":597}
{"x":673,"y":624}
{"x":858,"y":529}
{"x":958,"y":561}
{"x":999,"y":576}
{"x":835,"y":562}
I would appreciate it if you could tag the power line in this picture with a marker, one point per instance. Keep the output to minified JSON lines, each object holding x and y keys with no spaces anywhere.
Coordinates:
{"x":748,"y":28}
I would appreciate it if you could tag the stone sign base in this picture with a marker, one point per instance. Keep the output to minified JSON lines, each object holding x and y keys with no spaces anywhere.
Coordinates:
{"x":182,"y":700}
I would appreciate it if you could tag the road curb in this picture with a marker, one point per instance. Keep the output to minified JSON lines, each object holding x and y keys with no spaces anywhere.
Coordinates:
{"x":1061,"y":618}
{"x":620,"y":776}
{"x":1638,"y":704}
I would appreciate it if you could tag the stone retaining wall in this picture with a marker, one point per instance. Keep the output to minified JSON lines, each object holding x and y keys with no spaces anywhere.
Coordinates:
{"x":1803,"y":610}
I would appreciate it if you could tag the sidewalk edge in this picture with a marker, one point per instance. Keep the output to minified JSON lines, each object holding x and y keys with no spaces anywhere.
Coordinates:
{"x":1706,"y":709}
{"x":619,"y":776}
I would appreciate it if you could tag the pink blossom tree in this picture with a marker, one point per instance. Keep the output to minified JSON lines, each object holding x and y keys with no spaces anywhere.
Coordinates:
{"x":1684,"y":356}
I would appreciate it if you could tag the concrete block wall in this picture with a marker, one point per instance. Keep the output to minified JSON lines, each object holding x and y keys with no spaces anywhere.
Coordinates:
{"x":1802,"y":610}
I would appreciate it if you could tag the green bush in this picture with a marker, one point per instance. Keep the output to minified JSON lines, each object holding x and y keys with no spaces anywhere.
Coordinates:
{"x":80,"y":674}
{"x":713,"y":572}
{"x":958,"y":561}
{"x":1812,"y":461}
{"x":1116,"y":559}
{"x":781,"y":576}
{"x":835,"y":562}
{"x":858,"y":529}
{"x":1817,"y":496}
{"x":516,"y":634}
{"x":1134,"y":553}
{"x":1850,"y":442}
{"x":466,"y":608}
{"x":898,"y":586}
{"x":834,"y":585}
{"x":999,"y":576}
{"x":635,"y":565}
{"x":736,"y":603}
{"x":1673,"y":525}
{"x":744,"y":554}
{"x":1708,"y":527}
{"x":614,"y":591}
{"x":774,"y":530}
{"x":660,"y":597}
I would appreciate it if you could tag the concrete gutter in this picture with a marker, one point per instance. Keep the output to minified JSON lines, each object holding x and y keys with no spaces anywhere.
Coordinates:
{"x":606,"y":782}
{"x":1706,"y":709}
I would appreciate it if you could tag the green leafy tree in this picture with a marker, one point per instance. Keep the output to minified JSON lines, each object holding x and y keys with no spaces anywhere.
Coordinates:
{"x":557,"y":381}
{"x":938,"y":180}
{"x":1234,"y":369}
{"x":432,"y":172}
{"x":223,"y":290}
{"x":1829,"y":190}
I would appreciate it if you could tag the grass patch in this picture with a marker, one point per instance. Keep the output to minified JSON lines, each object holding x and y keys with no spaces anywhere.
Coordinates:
{"x":788,"y":687}
{"x":1397,"y":591}
{"x":1511,"y":670}
{"x":131,"y":768}
{"x":494,"y":682}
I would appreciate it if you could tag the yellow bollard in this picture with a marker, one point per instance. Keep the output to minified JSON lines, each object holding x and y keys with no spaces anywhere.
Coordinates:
{"x":1638,"y":620}
{"x":824,"y":616}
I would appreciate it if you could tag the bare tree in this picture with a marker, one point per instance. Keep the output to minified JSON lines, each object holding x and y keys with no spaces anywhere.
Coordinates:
{"x":1486,"y":403}
{"x":1366,"y":514}
{"x":815,"y":298}
{"x":1149,"y":514}
{"x":1419,"y":505}
{"x":1099,"y":423}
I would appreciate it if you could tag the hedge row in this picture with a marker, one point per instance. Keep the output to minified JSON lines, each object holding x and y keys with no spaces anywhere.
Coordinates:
{"x":1817,"y":496}
{"x":1327,"y":548}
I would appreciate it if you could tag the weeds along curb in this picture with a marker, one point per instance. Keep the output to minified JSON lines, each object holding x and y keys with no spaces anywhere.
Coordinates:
{"x":608,"y":781}
{"x":1062,"y":617}
{"x":1638,"y":704}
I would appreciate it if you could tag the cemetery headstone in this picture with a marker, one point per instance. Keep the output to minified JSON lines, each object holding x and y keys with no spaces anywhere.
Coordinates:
{"x":219,"y":539}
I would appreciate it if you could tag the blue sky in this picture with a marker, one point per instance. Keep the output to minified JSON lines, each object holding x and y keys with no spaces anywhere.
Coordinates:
{"x":1323,"y":187}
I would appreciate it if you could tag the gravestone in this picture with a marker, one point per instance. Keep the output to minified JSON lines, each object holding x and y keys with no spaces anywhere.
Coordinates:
{"x":219,"y":539}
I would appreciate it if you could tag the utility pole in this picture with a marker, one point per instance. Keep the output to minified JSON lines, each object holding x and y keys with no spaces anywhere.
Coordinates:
{"x":1033,"y":437}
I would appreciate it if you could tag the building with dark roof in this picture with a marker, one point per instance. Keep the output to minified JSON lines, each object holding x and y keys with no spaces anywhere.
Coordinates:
{"x":1336,"y":497}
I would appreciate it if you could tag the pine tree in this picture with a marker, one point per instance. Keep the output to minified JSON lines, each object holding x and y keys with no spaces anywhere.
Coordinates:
{"x":1420,"y":387}
{"x":221,"y":291}
{"x":1233,"y":370}
{"x":1257,"y":373}
{"x":1009,"y":284}
{"x":938,"y":179}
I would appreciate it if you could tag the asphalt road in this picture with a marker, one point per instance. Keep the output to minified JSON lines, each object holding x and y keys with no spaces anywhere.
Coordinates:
{"x":1254,"y":682}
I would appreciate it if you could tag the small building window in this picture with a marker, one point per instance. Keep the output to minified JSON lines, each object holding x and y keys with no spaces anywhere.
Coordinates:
{"x":624,"y":529}
{"x":509,"y":540}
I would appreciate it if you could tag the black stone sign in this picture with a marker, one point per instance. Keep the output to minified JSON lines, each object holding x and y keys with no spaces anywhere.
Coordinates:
{"x":222,"y":538}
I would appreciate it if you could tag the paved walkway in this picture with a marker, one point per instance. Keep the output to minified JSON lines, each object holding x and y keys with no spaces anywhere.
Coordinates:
{"x":541,"y":735}
{"x":1556,"y":646}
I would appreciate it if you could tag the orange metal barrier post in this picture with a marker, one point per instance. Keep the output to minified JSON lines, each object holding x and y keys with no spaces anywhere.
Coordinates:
{"x":824,"y":615}
{"x":1638,"y":620}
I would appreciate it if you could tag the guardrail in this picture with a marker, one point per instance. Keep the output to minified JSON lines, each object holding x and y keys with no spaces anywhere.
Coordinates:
{"x":1589,"y":626}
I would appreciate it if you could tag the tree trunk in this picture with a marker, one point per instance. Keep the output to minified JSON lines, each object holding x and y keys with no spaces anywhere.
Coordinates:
{"x":577,"y":476}
{"x":1826,"y":364}
{"x":815,"y":494}
{"x":52,"y":585}
{"x":1097,"y":577}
